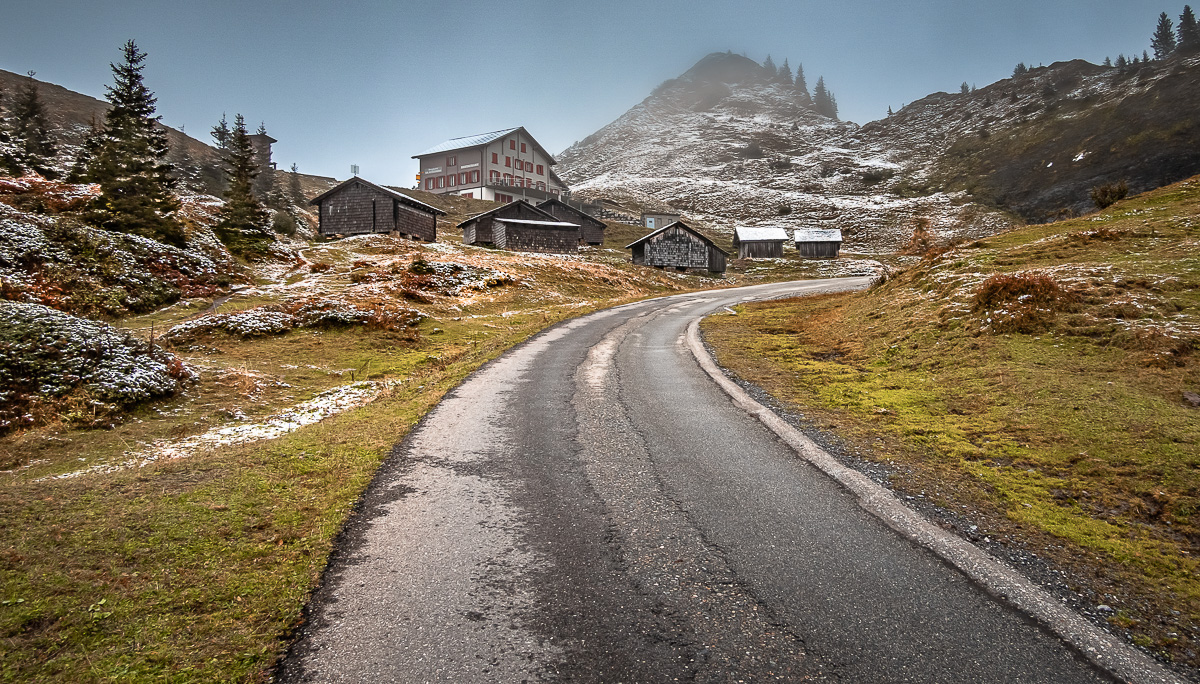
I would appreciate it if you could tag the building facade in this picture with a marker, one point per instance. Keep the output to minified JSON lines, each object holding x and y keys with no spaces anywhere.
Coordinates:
{"x":501,"y":166}
{"x":658,"y":221}
{"x":759,"y":243}
{"x":357,"y":206}
{"x":678,"y":246}
{"x":819,"y":243}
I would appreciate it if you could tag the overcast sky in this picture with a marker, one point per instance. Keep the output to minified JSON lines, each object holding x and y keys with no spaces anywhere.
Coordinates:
{"x":372,"y":82}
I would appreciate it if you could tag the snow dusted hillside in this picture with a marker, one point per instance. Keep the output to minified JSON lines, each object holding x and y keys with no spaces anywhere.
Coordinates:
{"x":722,"y":146}
{"x":726,"y":147}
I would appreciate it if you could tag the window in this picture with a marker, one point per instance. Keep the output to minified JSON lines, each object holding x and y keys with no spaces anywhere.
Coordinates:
{"x":541,"y":186}
{"x":522,"y":148}
{"x":493,"y":176}
{"x":508,"y":161}
{"x":508,"y":179}
{"x":452,"y":180}
{"x":503,"y":198}
{"x":474,"y":177}
{"x":512,"y":144}
{"x":468,"y":194}
{"x":494,"y":156}
{"x":441,"y":182}
{"x":452,"y":161}
{"x":428,"y":183}
{"x":529,"y":167}
{"x":540,"y":170}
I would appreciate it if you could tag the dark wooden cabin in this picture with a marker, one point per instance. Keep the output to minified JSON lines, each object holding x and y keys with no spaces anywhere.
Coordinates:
{"x":759,"y":243}
{"x":358,"y":206}
{"x":680,"y":247}
{"x":591,"y":229}
{"x":819,"y":243}
{"x":521,"y":227}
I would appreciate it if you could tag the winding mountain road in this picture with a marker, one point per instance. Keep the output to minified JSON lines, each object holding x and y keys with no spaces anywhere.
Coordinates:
{"x":592,"y":507}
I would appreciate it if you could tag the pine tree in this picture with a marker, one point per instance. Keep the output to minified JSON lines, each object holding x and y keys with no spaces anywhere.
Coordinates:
{"x":964,"y":88}
{"x":1020,"y":69}
{"x":87,"y":153}
{"x":1122,"y":64}
{"x":1164,"y":37}
{"x":802,"y":85}
{"x":220,"y":134}
{"x":1107,"y":62}
{"x":823,"y":100}
{"x":769,"y":67}
{"x":889,"y":111}
{"x":785,"y":73}
{"x":243,"y":221}
{"x":264,"y":181}
{"x":294,"y":189}
{"x":31,"y":130}
{"x":129,"y":165}
{"x":1145,"y":57}
{"x":1189,"y":32}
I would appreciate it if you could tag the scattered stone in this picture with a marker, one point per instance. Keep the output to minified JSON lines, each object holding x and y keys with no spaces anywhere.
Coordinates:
{"x":1192,"y":399}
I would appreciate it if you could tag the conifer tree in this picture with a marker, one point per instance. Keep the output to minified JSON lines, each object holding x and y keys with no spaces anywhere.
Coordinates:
{"x":823,"y":100}
{"x":31,"y":130}
{"x":769,"y":66}
{"x":220,"y":134}
{"x":1020,"y":69}
{"x":87,"y":153}
{"x":802,"y":85}
{"x":889,"y":111}
{"x":243,"y":221}
{"x":1145,"y":57}
{"x":1164,"y":37}
{"x":785,"y":73}
{"x":130,"y":161}
{"x":1189,"y":32}
{"x":1122,"y":63}
{"x":264,"y":182}
{"x":964,"y":88}
{"x":8,"y":161}
{"x":1107,"y":62}
{"x":294,"y":189}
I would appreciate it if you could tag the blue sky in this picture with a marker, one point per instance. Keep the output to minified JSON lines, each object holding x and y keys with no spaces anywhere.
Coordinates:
{"x":371,"y":82}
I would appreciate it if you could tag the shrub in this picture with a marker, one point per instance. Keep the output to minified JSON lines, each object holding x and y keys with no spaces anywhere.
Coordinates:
{"x":783,"y":210}
{"x":1024,"y":302}
{"x":922,"y":240}
{"x":319,"y":267}
{"x":284,"y":223}
{"x":1104,"y":196}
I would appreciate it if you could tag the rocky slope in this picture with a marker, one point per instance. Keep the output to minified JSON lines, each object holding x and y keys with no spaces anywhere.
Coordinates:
{"x":727,"y":147}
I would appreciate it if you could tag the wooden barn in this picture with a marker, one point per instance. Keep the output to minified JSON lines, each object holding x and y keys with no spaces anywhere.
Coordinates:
{"x":819,"y":243}
{"x":657,"y":221}
{"x":521,"y":227}
{"x":357,"y":206}
{"x":759,"y":243}
{"x":680,"y":247}
{"x":591,"y":228}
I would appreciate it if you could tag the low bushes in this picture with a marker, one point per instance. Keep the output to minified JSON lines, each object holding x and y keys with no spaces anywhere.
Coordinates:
{"x":1025,"y":302}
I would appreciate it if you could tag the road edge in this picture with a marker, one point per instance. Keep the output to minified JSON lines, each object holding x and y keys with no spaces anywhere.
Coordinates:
{"x":1102,"y":649}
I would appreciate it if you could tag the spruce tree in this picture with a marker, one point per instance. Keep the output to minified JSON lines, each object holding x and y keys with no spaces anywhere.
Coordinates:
{"x":264,"y":182}
{"x":769,"y":67}
{"x":1122,"y":64}
{"x":823,"y":100}
{"x":1189,"y":33}
{"x":31,"y":130}
{"x":1107,"y":61}
{"x":1164,"y":37}
{"x":243,"y":221}
{"x":129,"y":164}
{"x":889,"y":111}
{"x":87,"y":153}
{"x":220,"y":134}
{"x":964,"y":88}
{"x":1020,"y":69}
{"x":294,"y":189}
{"x":785,"y":73}
{"x":802,"y":85}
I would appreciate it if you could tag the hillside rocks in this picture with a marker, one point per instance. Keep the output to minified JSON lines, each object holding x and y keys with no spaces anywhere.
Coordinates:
{"x":47,"y":355}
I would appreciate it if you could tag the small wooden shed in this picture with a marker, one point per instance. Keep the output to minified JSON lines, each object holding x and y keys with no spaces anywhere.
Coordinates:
{"x":359,"y":206}
{"x":591,"y":228}
{"x":819,"y":243}
{"x":759,"y":243}
{"x":659,"y":221}
{"x":521,"y":227}
{"x":678,"y":246}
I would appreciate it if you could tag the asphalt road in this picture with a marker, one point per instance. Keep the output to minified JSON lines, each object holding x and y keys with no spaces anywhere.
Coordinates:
{"x":591,"y":507}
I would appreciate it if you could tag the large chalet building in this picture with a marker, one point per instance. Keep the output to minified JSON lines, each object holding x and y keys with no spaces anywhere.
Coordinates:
{"x":500,"y":166}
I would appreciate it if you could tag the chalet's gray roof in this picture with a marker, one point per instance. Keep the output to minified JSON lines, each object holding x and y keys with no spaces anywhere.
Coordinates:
{"x":481,"y":139}
{"x":684,"y":226}
{"x":530,"y":222}
{"x":582,"y":215}
{"x":753,"y":234}
{"x":508,"y":207}
{"x":404,"y":199}
{"x":818,"y":235}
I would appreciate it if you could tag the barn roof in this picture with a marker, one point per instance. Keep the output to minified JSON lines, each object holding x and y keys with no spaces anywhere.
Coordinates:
{"x":509,"y":207}
{"x":751,"y":234}
{"x":684,"y":226}
{"x":481,"y":139}
{"x":583,"y":216}
{"x":818,"y":235}
{"x":404,"y":199}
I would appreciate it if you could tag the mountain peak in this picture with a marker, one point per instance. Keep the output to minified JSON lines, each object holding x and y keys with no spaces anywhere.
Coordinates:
{"x":725,"y":67}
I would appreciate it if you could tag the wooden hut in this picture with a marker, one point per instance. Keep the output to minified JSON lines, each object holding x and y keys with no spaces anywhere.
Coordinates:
{"x":591,"y":228}
{"x":759,"y":243}
{"x":358,"y":206}
{"x":680,"y":247}
{"x":660,"y":220}
{"x":521,"y":227}
{"x":819,"y":243}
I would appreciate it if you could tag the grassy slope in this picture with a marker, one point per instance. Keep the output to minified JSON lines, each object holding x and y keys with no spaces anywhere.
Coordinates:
{"x":1073,"y":439}
{"x":197,"y":569}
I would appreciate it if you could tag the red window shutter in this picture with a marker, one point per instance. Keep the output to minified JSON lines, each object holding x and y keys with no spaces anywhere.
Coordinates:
{"x":508,"y":178}
{"x":451,"y":161}
{"x":474,"y":176}
{"x":540,"y":172}
{"x":428,"y":183}
{"x":512,"y":144}
{"x":522,"y":148}
{"x":494,"y":155}
{"x":451,"y":180}
{"x":508,"y":161}
{"x":493,"y":175}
